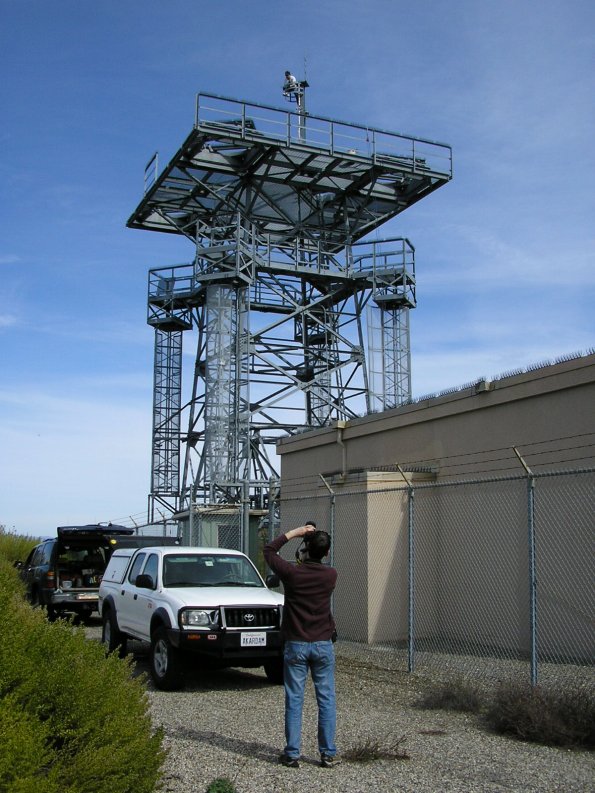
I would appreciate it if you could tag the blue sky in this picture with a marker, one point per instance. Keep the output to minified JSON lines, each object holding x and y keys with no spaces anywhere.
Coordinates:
{"x":504,"y":253}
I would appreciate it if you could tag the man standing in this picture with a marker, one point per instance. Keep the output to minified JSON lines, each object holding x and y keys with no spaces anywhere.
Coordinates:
{"x":308,"y":631}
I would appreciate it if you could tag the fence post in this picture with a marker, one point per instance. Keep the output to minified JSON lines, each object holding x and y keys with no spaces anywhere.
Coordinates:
{"x":190,"y":539}
{"x":331,"y":519}
{"x":273,"y":496}
{"x":199,"y":538}
{"x":532,"y":579}
{"x":410,"y":573}
{"x":331,"y":530}
{"x":245,"y":520}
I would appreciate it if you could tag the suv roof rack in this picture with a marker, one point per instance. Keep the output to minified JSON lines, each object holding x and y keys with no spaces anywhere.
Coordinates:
{"x":93,"y":528}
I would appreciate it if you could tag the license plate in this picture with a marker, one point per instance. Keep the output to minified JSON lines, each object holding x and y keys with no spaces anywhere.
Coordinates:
{"x":253,"y":639}
{"x":86,"y":596}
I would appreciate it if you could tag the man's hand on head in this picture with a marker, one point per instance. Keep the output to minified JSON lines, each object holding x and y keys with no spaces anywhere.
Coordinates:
{"x":300,"y":531}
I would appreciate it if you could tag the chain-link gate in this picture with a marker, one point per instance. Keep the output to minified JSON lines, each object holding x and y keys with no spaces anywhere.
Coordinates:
{"x":218,"y":527}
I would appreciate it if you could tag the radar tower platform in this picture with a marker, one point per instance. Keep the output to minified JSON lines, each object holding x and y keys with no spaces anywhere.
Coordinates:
{"x":300,"y":318}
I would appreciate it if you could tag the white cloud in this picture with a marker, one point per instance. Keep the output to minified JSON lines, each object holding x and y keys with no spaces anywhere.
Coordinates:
{"x":7,"y":320}
{"x":487,"y":259}
{"x":115,"y":332}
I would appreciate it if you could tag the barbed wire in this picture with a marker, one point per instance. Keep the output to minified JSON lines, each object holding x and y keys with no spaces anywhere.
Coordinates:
{"x":449,"y":468}
{"x":447,"y":462}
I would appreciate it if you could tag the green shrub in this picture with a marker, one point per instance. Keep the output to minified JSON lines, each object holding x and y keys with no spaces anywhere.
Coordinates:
{"x":14,"y":547}
{"x":562,"y":716}
{"x":555,"y":717}
{"x":371,"y":749}
{"x":86,"y":723}
{"x":222,"y":785}
{"x":25,"y":753}
{"x":454,"y":695}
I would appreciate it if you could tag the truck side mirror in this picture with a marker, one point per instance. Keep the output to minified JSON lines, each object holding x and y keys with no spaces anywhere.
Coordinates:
{"x":272,"y":581}
{"x":144,"y":581}
{"x":18,"y":565}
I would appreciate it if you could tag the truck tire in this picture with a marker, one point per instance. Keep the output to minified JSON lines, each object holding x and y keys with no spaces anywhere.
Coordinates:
{"x":274,"y":671}
{"x":86,"y":616}
{"x":166,"y":662}
{"x":113,"y":639}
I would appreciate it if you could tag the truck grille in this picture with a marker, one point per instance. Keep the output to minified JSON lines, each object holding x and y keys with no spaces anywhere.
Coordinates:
{"x":247,"y":618}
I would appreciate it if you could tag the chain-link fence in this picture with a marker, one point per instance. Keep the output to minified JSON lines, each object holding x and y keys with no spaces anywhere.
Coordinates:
{"x":485,"y":578}
{"x":218,"y":527}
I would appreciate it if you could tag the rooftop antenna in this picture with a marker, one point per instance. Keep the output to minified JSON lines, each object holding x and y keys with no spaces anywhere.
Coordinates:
{"x":295,"y":91}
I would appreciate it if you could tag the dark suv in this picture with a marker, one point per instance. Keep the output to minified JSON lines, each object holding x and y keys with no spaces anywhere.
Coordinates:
{"x":63,"y":573}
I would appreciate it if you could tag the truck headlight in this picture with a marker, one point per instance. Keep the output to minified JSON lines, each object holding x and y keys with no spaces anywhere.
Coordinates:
{"x":195,"y":619}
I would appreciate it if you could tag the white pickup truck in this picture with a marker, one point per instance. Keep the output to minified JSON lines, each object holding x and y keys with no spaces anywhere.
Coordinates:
{"x":208,"y":602}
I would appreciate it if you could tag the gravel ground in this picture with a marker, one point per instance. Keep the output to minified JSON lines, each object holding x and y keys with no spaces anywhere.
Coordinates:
{"x":230,"y":723}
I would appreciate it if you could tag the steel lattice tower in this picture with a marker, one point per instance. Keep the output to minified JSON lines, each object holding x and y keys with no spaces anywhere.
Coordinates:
{"x":298,"y":320}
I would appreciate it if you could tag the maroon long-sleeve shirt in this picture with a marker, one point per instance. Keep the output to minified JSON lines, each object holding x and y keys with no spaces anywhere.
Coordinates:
{"x":308,"y":588}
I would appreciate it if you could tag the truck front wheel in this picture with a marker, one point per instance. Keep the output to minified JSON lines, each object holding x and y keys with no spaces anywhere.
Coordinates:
{"x":166,"y":663}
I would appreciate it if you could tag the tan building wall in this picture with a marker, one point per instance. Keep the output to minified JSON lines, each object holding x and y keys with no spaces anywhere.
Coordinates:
{"x":548,"y":414}
{"x":464,"y":548}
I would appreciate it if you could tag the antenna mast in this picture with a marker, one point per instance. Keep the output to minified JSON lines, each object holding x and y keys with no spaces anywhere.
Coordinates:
{"x":295,"y":91}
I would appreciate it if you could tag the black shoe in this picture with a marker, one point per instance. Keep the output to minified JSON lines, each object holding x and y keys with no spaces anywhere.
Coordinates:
{"x":289,"y":762}
{"x":329,"y":761}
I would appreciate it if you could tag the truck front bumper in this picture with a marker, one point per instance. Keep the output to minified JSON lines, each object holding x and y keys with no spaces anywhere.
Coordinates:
{"x":227,"y":646}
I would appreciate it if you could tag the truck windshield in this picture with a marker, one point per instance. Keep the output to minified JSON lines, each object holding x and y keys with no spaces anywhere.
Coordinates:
{"x":191,"y":569}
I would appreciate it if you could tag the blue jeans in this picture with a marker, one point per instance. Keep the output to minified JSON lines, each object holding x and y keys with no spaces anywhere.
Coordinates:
{"x":319,"y":658}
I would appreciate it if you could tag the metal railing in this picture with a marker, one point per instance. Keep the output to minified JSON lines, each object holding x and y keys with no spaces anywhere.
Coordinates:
{"x":253,"y":121}
{"x":151,"y":172}
{"x":384,"y":261}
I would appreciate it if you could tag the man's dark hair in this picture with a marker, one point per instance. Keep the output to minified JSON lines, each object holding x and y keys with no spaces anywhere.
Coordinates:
{"x":318,"y":544}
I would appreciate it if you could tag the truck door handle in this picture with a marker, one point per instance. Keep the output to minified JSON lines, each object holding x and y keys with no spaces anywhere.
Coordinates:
{"x":122,"y":592}
{"x":135,"y":597}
